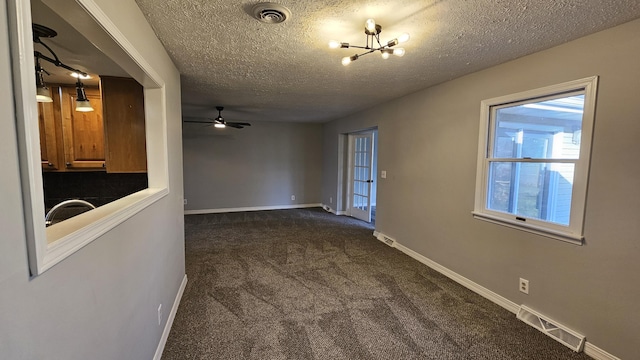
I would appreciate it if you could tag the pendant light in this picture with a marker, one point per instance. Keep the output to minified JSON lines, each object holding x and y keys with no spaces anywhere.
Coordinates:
{"x":42,"y":92}
{"x":82,"y":103}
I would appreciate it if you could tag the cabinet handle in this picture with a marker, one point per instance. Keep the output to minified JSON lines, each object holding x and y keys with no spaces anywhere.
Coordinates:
{"x":68,"y":164}
{"x":104,"y":165}
{"x":50,"y":164}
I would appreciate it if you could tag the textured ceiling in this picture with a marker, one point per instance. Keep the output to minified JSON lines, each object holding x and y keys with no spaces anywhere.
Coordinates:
{"x":286,"y":72}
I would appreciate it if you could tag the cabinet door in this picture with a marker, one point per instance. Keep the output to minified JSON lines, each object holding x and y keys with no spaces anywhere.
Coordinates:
{"x":83,"y":131}
{"x":50,"y":132}
{"x":124,"y":125}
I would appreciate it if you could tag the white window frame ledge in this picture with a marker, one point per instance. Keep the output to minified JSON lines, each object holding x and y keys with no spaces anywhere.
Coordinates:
{"x":574,"y":232}
{"x":519,"y":225}
{"x":49,"y":246}
{"x":69,"y":236}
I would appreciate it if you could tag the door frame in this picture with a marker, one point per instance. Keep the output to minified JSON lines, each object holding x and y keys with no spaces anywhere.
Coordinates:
{"x":351,"y":211}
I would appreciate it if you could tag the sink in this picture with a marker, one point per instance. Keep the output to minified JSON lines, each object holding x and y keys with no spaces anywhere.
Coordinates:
{"x":67,"y":209}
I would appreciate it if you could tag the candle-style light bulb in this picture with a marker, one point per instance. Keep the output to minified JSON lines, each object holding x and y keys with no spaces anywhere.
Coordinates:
{"x":370,"y":25}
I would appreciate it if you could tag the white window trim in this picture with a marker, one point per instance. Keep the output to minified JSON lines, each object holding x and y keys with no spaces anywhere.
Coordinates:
{"x":49,"y":246}
{"x":574,"y":232}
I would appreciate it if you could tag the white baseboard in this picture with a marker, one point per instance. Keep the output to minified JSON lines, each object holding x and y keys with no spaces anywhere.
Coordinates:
{"x":475,"y":287}
{"x":589,"y":349}
{"x":597,"y":353}
{"x":172,"y":316}
{"x":252,"y":208}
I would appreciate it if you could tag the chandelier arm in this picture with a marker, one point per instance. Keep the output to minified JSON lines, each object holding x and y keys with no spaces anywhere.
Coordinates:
{"x":367,"y":52}
{"x":359,"y":47}
{"x":377,"y":36}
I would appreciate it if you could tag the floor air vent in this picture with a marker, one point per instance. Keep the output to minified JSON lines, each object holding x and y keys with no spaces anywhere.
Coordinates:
{"x":385,"y":239}
{"x":557,"y":331}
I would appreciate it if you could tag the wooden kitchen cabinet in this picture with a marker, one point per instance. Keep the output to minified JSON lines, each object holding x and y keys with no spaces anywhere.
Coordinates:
{"x":124,"y":125}
{"x":111,"y":138}
{"x":83,"y":132}
{"x":50,"y":132}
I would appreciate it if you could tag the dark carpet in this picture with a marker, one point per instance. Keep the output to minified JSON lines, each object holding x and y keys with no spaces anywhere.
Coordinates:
{"x":306,"y":284}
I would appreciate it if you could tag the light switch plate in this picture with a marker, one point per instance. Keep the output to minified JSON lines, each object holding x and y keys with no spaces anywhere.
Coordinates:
{"x":383,"y":174}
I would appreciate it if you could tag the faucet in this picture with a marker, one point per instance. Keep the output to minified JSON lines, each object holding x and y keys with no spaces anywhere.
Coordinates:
{"x":48,"y":219}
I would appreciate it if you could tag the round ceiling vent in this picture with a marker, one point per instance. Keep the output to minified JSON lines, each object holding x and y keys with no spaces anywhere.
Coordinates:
{"x":270,"y":13}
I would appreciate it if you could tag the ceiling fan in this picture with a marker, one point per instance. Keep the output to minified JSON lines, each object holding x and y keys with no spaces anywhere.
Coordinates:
{"x":219,"y":121}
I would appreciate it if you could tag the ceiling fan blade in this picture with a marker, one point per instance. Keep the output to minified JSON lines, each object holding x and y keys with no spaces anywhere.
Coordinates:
{"x":234,"y":125}
{"x":238,"y":123}
{"x":198,"y":122}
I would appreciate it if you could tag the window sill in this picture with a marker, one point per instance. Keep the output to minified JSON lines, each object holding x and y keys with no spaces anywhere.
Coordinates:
{"x":566,"y":237}
{"x":69,"y":236}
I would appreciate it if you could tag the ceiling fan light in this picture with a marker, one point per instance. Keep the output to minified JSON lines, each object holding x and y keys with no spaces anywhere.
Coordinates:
{"x":219,"y":125}
{"x":404,"y":38}
{"x":398,"y":52}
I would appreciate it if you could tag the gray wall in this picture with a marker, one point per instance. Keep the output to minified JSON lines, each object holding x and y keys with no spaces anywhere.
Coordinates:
{"x":101,"y":302}
{"x":261,"y":165}
{"x":428,"y":146}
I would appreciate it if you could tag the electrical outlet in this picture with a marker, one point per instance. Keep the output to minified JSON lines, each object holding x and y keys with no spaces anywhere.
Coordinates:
{"x":293,"y":197}
{"x":160,"y":314}
{"x":330,"y":200}
{"x":524,"y":285}
{"x":185,"y":201}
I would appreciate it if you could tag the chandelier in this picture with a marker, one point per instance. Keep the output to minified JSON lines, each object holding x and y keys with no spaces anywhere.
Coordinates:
{"x":372,"y":30}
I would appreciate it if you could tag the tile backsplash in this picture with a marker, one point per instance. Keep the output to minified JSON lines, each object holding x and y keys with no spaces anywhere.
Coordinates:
{"x":95,"y":187}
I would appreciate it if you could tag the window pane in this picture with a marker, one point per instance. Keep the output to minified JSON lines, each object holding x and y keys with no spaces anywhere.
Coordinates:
{"x":534,"y":190}
{"x":549,"y":129}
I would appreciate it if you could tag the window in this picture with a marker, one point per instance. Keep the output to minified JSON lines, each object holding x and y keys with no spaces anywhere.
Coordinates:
{"x":533,"y":159}
{"x":49,"y":246}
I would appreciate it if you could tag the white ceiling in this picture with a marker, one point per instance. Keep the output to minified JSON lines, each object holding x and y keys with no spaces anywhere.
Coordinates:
{"x":286,"y":72}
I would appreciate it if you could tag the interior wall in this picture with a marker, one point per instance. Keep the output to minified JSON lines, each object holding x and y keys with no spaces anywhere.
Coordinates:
{"x":428,"y":146}
{"x":102,"y":301}
{"x":258,"y":166}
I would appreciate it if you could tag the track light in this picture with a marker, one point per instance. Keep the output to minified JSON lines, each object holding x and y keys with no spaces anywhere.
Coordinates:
{"x":372,"y":30}
{"x":82,"y":103}
{"x":42,"y":92}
